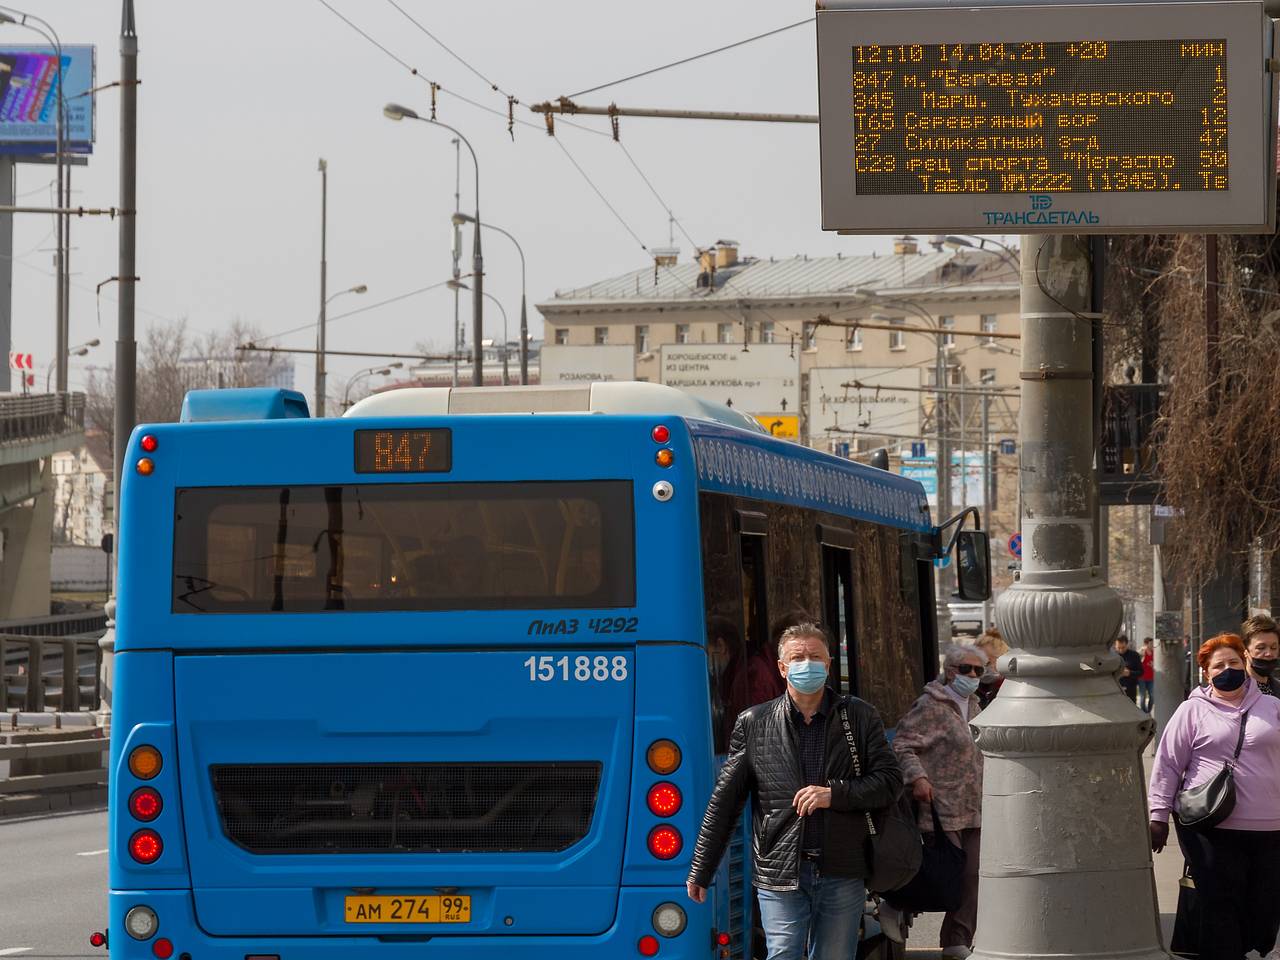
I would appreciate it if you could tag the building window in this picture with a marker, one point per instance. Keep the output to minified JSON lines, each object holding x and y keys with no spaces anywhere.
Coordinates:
{"x":948,"y":323}
{"x":682,"y":333}
{"x":766,"y":331}
{"x":897,"y":338}
{"x":602,"y":336}
{"x":642,"y":338}
{"x":987,"y":375}
{"x":562,"y":336}
{"x":853,"y":339}
{"x":724,"y":333}
{"x":989,"y":326}
{"x":809,"y":333}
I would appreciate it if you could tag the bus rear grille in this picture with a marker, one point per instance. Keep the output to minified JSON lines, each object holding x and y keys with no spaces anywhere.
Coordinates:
{"x":406,"y":807}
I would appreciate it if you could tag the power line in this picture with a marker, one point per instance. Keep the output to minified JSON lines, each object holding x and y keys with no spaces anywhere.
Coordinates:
{"x":447,"y":49}
{"x":351,"y":313}
{"x":698,"y":56}
{"x":603,"y":199}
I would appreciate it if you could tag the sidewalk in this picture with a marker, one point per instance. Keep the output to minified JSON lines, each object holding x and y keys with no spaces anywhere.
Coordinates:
{"x":1167,"y":866}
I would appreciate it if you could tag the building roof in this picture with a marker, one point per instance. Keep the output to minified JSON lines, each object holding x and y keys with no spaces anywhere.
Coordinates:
{"x":800,"y":277}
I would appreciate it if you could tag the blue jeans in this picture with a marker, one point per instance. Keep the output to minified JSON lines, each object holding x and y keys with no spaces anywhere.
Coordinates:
{"x":1144,"y":694}
{"x":823,"y":916}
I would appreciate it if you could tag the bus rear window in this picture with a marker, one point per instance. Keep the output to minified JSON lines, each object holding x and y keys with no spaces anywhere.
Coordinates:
{"x":402,"y":546}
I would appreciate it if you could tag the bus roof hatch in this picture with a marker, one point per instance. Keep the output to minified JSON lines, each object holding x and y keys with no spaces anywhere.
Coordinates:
{"x":248,"y":403}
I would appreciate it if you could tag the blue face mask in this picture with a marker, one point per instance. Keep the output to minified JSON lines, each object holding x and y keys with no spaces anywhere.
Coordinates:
{"x":964,"y":685}
{"x":807,"y":676}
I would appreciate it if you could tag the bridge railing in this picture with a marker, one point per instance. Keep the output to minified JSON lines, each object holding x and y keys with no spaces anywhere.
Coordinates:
{"x":44,"y":673}
{"x":40,"y":415}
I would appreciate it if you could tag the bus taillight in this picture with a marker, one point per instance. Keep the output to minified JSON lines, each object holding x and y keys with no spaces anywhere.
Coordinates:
{"x":663,"y":757}
{"x":665,"y":842}
{"x":145,"y":762}
{"x":661,"y":434}
{"x":145,"y":846}
{"x":664,"y":799}
{"x":145,"y":804}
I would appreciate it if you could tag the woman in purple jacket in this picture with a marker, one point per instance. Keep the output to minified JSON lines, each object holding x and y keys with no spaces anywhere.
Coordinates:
{"x":1236,"y":865}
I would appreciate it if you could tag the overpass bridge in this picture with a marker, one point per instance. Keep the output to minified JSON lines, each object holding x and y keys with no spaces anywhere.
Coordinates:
{"x":32,"y":429}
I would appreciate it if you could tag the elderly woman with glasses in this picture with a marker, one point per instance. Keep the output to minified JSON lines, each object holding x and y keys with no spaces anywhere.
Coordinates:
{"x":943,"y":767}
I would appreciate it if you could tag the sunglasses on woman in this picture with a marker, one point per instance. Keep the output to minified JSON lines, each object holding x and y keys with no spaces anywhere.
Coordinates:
{"x":969,"y":669}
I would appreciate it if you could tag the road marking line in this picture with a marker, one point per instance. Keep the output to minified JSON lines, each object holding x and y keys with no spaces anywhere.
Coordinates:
{"x":10,"y":951}
{"x":87,"y":853}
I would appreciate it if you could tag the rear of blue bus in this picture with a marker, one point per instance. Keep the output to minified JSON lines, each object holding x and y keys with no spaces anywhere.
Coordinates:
{"x":409,"y":687}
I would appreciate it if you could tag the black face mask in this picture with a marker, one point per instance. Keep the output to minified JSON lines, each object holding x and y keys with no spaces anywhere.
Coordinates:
{"x":1229,"y":679}
{"x":1263,"y":668}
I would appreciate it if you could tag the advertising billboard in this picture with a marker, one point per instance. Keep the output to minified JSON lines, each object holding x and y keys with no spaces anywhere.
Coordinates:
{"x":765,"y":378}
{"x":560,"y":365}
{"x":1051,"y":117}
{"x":867,"y":405}
{"x":29,"y":98}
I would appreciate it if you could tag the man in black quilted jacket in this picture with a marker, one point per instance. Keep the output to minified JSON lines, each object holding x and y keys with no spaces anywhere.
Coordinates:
{"x":809,"y":836}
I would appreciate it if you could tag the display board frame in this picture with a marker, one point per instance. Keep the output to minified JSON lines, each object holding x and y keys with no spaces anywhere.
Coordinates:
{"x":1247,"y":206}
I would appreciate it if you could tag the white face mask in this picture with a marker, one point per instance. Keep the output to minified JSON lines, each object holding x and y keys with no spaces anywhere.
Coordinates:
{"x":964,"y":685}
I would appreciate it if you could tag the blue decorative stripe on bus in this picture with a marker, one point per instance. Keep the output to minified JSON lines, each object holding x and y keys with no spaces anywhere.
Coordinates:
{"x":733,"y":461}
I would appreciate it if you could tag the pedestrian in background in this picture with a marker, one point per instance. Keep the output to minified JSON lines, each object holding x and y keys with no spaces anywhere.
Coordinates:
{"x":1236,"y":864}
{"x":993,"y":647}
{"x":943,"y":766}
{"x":810,"y":843}
{"x":1130,"y":669}
{"x":1262,"y":645}
{"x":1148,"y":677}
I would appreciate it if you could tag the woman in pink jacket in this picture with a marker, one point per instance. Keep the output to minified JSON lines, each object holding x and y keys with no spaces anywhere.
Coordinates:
{"x":1235,"y":865}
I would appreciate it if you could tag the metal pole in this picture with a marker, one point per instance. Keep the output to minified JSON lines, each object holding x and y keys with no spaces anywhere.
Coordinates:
{"x":567,"y":107}
{"x":7,"y":170}
{"x":986,"y":486}
{"x":1061,"y":743}
{"x":64,"y":359}
{"x":457,"y":254}
{"x":324,"y":278}
{"x":60,"y":267}
{"x":477,"y":298}
{"x":1170,"y":662}
{"x":943,"y":471}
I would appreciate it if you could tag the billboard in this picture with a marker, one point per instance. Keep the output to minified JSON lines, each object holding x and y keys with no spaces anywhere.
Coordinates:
{"x":867,"y":405}
{"x":1003,"y":118}
{"x":966,"y":477}
{"x":752,"y":378}
{"x":562,"y":365}
{"x":29,"y":98}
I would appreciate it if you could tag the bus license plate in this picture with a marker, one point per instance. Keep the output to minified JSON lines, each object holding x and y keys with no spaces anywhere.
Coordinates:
{"x":406,"y":908}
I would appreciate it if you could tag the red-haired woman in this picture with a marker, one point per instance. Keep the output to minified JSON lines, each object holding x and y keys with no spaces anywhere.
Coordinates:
{"x":1235,"y":865}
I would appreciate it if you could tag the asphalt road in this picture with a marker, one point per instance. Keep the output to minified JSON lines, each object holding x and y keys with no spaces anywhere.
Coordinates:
{"x":53,"y":885}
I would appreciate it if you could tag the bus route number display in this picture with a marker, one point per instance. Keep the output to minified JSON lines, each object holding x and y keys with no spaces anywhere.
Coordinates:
{"x":1102,"y":117}
{"x":1083,"y":116}
{"x":404,"y":451}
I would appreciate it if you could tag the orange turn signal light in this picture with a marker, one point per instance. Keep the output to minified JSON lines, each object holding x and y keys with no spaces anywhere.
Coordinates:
{"x":145,"y":762}
{"x":664,"y":457}
{"x":146,"y":466}
{"x":663,"y":757}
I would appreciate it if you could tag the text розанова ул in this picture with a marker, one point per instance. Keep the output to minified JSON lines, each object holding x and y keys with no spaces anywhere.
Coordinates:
{"x":1084,"y":116}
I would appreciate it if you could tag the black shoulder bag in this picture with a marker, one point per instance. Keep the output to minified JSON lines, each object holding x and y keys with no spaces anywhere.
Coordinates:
{"x":1207,"y":805}
{"x":896,"y":849}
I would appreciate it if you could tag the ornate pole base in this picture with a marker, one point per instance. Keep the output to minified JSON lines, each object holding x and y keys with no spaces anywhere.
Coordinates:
{"x":1066,"y":863}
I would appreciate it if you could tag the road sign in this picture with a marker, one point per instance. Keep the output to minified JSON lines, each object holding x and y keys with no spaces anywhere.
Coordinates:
{"x":784,"y":426}
{"x":1015,"y":545}
{"x":1008,"y":447}
{"x":836,"y":407}
{"x":1005,"y":119}
{"x":765,"y":377}
{"x":917,"y":448}
{"x":21,"y":361}
{"x":560,"y":364}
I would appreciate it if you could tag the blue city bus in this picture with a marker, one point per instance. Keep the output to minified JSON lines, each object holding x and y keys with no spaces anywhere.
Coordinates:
{"x":450,"y":676}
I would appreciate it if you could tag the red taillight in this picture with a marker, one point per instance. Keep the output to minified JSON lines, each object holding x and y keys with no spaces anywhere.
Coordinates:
{"x":661,"y":434}
{"x":145,"y":804}
{"x":664,"y":799}
{"x":145,"y":846}
{"x":722,"y":939}
{"x":665,"y":842}
{"x":97,"y":939}
{"x":648,"y":946}
{"x":163,"y":948}
{"x":149,"y":443}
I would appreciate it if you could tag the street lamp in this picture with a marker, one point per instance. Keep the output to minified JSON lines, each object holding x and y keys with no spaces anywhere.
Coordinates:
{"x":321,"y":324}
{"x":461,"y":218}
{"x":394,"y":111}
{"x":1010,"y":256}
{"x":381,"y":371}
{"x":79,"y":350}
{"x":459,"y":285}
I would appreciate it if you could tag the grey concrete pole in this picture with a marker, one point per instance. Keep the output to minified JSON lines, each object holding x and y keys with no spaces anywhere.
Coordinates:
{"x":321,"y":386}
{"x":60,"y":333}
{"x":477,"y":299}
{"x":7,"y":167}
{"x":942,"y":469}
{"x":524,"y":341}
{"x":1170,"y":665}
{"x":1066,"y":864}
{"x":986,"y":482}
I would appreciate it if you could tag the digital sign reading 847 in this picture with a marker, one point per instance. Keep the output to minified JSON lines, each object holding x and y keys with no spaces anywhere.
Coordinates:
{"x":1082,"y":116}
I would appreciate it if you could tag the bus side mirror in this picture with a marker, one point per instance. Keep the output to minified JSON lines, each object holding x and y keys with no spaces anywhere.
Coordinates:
{"x":973,"y":565}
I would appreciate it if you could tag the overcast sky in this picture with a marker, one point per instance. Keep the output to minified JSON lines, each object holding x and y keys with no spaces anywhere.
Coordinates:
{"x":239,"y":99}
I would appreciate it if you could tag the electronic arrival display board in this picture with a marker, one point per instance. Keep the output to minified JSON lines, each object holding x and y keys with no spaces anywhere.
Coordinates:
{"x":1097,"y":118}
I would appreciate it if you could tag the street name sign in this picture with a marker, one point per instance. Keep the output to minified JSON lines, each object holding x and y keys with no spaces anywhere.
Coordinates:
{"x":1103,"y":117}
{"x":762,"y":379}
{"x":560,"y":364}
{"x":871,"y":407}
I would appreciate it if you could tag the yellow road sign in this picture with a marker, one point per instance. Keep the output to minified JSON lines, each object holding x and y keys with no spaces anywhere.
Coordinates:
{"x":784,"y":426}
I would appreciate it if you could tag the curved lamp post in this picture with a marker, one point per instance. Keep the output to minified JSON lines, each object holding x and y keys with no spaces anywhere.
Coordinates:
{"x":461,"y":218}
{"x":383,"y":370}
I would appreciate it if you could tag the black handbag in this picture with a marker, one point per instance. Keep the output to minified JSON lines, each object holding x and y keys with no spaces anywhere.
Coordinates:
{"x":895,"y":847}
{"x":1207,"y":805}
{"x":938,"y":887}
